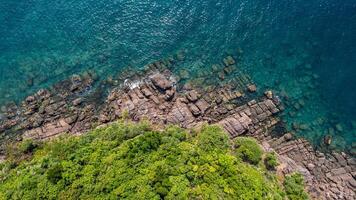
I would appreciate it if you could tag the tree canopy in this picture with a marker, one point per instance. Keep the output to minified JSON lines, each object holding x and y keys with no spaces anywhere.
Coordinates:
{"x":133,"y":161}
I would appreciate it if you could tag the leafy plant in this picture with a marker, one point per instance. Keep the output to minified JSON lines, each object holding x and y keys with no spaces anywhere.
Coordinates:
{"x":248,"y":150}
{"x":132,"y":161}
{"x":294,"y":187}
{"x":271,"y":161}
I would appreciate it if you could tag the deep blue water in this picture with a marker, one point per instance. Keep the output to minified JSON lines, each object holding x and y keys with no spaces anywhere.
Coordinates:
{"x":300,"y":48}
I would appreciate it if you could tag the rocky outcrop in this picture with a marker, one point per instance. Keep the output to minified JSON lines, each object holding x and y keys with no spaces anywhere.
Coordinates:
{"x":156,"y":97}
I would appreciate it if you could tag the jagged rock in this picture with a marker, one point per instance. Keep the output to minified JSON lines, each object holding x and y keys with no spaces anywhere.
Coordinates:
{"x":229,"y":60}
{"x":146,"y":92}
{"x":103,"y":118}
{"x":327,"y":139}
{"x":269,"y":94}
{"x":169,"y":95}
{"x":77,"y":101}
{"x":221,"y":76}
{"x":229,"y":69}
{"x":30,"y":99}
{"x":252,"y":88}
{"x":161,"y":103}
{"x":192,"y":96}
{"x":161,"y":82}
{"x":202,"y":105}
{"x":310,"y":166}
{"x":194,"y":109}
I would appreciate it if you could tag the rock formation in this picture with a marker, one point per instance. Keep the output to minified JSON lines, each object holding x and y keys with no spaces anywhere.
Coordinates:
{"x":156,"y":97}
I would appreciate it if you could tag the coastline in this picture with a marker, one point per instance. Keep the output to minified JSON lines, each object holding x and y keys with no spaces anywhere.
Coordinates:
{"x":154,"y":95}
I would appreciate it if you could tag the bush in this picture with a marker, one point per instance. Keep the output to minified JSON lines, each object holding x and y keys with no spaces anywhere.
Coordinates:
{"x":131,"y":161}
{"x":212,"y":138}
{"x":28,"y":146}
{"x":271,"y":161}
{"x":248,"y":150}
{"x":54,"y":173}
{"x":294,"y":187}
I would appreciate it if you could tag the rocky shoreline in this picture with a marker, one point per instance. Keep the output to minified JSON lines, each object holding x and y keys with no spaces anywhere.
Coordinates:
{"x":71,"y":106}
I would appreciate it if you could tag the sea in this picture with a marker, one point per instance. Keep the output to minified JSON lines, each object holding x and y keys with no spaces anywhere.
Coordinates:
{"x":302,"y":50}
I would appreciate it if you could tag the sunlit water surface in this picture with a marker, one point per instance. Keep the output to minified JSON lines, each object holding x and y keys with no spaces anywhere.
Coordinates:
{"x":302,"y":49}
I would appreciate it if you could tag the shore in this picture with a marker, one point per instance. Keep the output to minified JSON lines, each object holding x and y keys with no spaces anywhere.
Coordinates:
{"x":70,"y":106}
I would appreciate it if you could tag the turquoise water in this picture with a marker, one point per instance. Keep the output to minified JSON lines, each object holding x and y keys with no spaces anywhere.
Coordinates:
{"x":303,"y":50}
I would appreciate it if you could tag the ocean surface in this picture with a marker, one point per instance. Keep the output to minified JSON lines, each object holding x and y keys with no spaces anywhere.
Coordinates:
{"x":305,"y":51}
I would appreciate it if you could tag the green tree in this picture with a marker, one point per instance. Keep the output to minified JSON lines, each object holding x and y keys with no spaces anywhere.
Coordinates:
{"x":248,"y":150}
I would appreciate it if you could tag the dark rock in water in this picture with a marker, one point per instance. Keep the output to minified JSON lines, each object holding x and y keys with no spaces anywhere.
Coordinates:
{"x":229,"y":69}
{"x":221,"y":75}
{"x":29,"y":82}
{"x":229,"y":61}
{"x":161,"y":82}
{"x":327,"y":139}
{"x":339,"y":128}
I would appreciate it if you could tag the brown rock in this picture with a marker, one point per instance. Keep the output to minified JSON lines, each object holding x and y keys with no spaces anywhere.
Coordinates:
{"x":30,"y":99}
{"x":202,"y":105}
{"x":146,"y":92}
{"x":192,"y":96}
{"x":77,"y":101}
{"x":269,"y":94}
{"x":252,"y":88}
{"x":161,"y":82}
{"x":310,"y":166}
{"x":238,"y":94}
{"x":169,"y":94}
{"x":194,"y":109}
{"x":103,"y":118}
{"x":327,"y":139}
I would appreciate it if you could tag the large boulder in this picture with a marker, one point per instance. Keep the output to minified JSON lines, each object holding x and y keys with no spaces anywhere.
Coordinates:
{"x":161,"y":82}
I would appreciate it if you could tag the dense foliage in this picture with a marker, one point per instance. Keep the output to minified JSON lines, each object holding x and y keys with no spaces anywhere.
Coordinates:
{"x":132,"y":161}
{"x":248,"y":150}
{"x":271,"y":160}
{"x":294,"y":187}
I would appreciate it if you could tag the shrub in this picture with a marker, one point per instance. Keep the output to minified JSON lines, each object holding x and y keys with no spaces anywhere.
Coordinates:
{"x":28,"y":146}
{"x":54,"y":173}
{"x":271,"y":161}
{"x":294,"y":187}
{"x":213,"y":138}
{"x":248,"y":150}
{"x":131,"y":161}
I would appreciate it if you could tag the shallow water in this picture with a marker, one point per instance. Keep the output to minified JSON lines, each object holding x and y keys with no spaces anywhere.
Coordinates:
{"x":303,"y":50}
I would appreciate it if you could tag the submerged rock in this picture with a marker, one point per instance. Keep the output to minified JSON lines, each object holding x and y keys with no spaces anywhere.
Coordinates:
{"x":229,"y":61}
{"x":327,"y":139}
{"x":338,"y":127}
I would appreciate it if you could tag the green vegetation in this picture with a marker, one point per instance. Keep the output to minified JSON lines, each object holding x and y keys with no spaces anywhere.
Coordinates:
{"x":271,"y":161}
{"x":248,"y":150}
{"x":133,"y":161}
{"x":294,"y":187}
